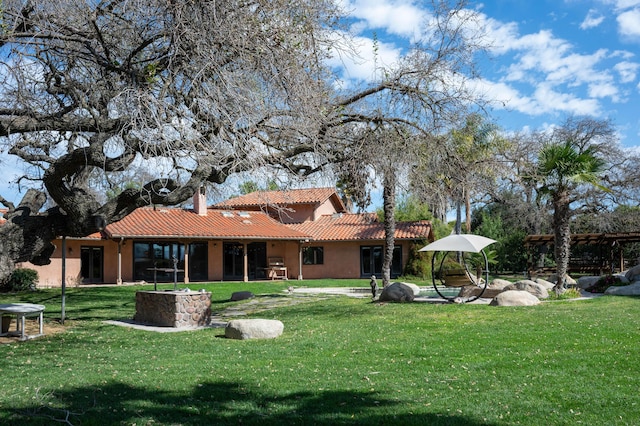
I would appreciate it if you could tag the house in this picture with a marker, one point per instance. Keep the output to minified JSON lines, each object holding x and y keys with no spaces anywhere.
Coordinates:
{"x":292,"y":234}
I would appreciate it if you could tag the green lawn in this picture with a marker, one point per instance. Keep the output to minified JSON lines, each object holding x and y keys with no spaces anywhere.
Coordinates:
{"x":340,"y":360}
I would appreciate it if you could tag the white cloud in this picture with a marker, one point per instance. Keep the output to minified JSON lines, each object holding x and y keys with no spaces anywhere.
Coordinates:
{"x":399,"y":17}
{"x":551,"y":100}
{"x":629,"y":23}
{"x":627,"y":70}
{"x":592,"y":20}
{"x":626,"y":4}
{"x":360,"y":66}
{"x":604,"y":90}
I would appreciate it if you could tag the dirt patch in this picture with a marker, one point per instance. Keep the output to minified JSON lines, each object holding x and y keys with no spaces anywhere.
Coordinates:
{"x":32,"y":327}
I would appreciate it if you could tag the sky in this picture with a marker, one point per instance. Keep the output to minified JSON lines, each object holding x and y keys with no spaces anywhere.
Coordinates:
{"x":548,"y":60}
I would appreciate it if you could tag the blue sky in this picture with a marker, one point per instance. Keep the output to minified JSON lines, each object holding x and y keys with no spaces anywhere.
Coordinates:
{"x":548,"y":60}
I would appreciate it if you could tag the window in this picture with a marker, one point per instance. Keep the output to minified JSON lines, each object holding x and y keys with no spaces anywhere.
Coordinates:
{"x":313,"y":255}
{"x":371,"y":258}
{"x":150,"y":255}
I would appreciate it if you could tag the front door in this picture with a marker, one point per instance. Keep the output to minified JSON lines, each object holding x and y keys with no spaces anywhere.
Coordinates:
{"x":371,"y":258}
{"x":91,"y":264}
{"x":257,"y":259}
{"x":233,"y":261}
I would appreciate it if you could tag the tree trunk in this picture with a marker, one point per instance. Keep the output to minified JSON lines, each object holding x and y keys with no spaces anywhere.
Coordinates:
{"x":389,"y":206}
{"x":562,"y":236}
{"x":458,"y":226}
{"x":467,"y":210}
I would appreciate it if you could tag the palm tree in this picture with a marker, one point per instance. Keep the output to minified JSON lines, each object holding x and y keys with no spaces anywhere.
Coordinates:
{"x":561,"y":168}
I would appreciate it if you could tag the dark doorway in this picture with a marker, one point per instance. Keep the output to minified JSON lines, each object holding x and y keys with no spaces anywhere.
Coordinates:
{"x":233,"y":261}
{"x":371,"y":258}
{"x":91,"y":264}
{"x":257,"y":259}
{"x":198,"y":262}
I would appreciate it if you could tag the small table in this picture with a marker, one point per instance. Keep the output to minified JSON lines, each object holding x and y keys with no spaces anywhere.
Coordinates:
{"x":21,"y":311}
{"x":274,"y":272}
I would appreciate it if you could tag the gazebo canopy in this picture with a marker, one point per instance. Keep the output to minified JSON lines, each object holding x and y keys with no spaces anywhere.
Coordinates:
{"x":459,"y":242}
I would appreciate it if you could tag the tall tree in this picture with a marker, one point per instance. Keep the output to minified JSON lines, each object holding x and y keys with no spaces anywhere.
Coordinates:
{"x":563,"y":165}
{"x":197,"y":91}
{"x":463,"y":165}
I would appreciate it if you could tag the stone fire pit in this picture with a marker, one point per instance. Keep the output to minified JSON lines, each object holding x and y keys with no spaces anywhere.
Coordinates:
{"x":179,"y":309}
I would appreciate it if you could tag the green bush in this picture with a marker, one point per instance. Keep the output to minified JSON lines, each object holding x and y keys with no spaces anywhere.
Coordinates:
{"x":21,"y":279}
{"x":419,"y":263}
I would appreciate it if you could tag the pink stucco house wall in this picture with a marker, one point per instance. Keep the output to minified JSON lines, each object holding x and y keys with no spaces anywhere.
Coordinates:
{"x":305,"y":234}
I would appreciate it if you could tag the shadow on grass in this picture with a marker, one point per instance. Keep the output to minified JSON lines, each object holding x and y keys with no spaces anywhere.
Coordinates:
{"x":219,"y":403}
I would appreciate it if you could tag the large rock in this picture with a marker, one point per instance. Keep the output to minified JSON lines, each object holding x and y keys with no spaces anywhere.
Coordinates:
{"x":633,"y":274}
{"x":544,"y":283}
{"x":498,"y":284}
{"x":625,"y":290}
{"x":397,"y":292}
{"x":241,"y":295}
{"x":414,"y":288}
{"x":243,"y":329}
{"x":470,"y":291}
{"x":568,"y":281}
{"x":529,"y":286}
{"x":623,"y":278}
{"x":515,"y":298}
{"x":586,"y":282}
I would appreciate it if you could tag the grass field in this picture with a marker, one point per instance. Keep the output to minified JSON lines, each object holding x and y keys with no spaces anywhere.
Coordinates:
{"x":341,"y":360}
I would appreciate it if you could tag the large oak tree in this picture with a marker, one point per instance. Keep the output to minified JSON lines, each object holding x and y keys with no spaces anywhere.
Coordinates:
{"x":195,"y":91}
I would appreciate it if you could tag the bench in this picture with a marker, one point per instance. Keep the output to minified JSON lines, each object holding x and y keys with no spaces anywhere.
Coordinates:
{"x":21,"y":311}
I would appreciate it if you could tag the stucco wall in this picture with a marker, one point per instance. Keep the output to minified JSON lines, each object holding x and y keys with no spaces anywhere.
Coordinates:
{"x":342,"y":259}
{"x":325,"y":208}
{"x":51,"y":275}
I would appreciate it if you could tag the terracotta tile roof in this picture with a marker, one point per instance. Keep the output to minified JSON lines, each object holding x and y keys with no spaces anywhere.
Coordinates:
{"x":364,"y":226}
{"x":94,"y":236}
{"x":179,"y":223}
{"x":281,"y":198}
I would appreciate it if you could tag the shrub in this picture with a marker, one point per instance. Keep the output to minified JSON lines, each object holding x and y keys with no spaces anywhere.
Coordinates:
{"x":570,"y":293}
{"x":418,"y":263}
{"x":21,"y":279}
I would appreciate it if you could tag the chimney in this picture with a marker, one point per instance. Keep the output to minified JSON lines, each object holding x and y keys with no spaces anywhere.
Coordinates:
{"x":200,"y":202}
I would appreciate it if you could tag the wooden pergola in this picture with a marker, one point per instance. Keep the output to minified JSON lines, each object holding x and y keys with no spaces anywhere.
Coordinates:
{"x":610,"y":256}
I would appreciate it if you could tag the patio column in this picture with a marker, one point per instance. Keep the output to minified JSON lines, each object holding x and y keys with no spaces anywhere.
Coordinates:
{"x":300,"y":260}
{"x":186,"y":263}
{"x":119,"y":271}
{"x":245,"y":261}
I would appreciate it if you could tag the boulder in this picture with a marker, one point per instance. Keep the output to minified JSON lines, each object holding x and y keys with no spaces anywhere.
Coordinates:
{"x":586,"y":282}
{"x":241,"y":295}
{"x":243,"y":329}
{"x":623,"y":278}
{"x":568,"y":281}
{"x":530,"y":286}
{"x":498,"y":284}
{"x":633,"y":274}
{"x":415,"y":288}
{"x":470,"y":291}
{"x":397,"y":292}
{"x":515,"y":298}
{"x":544,"y":283}
{"x":632,"y":289}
